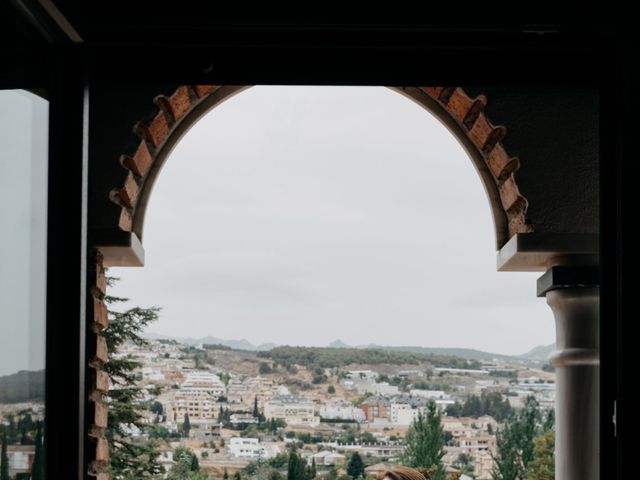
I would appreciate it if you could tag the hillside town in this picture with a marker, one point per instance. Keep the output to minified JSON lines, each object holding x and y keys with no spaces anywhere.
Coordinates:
{"x":236,"y":409}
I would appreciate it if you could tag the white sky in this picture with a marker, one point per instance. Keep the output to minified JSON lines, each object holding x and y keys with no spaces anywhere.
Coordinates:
{"x":23,"y":230}
{"x":300,"y":215}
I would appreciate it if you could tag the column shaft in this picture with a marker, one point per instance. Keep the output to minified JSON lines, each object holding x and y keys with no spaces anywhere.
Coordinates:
{"x":576,"y":311}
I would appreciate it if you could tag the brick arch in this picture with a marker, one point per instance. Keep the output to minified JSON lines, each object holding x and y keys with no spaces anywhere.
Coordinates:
{"x":462,"y":115}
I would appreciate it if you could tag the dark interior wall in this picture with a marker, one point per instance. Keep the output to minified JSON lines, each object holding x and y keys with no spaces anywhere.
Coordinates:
{"x":555,"y":133}
{"x":114,"y":109}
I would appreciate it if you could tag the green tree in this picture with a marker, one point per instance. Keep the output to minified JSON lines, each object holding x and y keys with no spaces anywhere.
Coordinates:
{"x":37,"y":468}
{"x":542,"y":466}
{"x":507,"y":463}
{"x":314,"y":471}
{"x":464,"y":463}
{"x":186,"y":425}
{"x":331,"y":389}
{"x":424,"y":443}
{"x":264,"y":368}
{"x":186,"y":467}
{"x":332,"y":474}
{"x":128,"y":458}
{"x":296,"y":467}
{"x":514,"y":442}
{"x":355,"y":467}
{"x":25,"y":425}
{"x":156,"y":407}
{"x":256,"y":412}
{"x":4,"y":460}
{"x":225,"y":475}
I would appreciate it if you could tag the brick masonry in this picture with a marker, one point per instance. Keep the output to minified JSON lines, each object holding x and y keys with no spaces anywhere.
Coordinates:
{"x":467,"y":112}
{"x":98,"y":379}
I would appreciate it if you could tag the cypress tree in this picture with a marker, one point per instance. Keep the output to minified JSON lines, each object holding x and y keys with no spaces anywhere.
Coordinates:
{"x":314,"y":471}
{"x":256,"y":412}
{"x":186,"y":425}
{"x":37,"y":468}
{"x":4,"y":460}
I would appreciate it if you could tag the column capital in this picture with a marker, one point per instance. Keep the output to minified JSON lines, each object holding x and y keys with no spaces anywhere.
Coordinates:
{"x":568,"y":277}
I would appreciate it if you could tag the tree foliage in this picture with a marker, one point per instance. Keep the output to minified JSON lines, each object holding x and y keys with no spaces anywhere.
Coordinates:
{"x":186,"y":467}
{"x":515,"y":441}
{"x":129,"y":458}
{"x":542,"y":466}
{"x":296,"y":468}
{"x":4,"y":459}
{"x":424,"y":443}
{"x":355,"y":467}
{"x":186,"y":425}
{"x":37,"y":468}
{"x":488,"y":403}
{"x":328,"y":357}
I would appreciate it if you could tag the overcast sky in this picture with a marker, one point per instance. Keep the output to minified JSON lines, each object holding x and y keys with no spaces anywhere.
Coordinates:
{"x":301,"y":215}
{"x":23,"y":230}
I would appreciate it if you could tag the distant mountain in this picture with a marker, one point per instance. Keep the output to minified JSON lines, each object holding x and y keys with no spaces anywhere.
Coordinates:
{"x":339,"y":344}
{"x":23,"y":386}
{"x":242,"y":344}
{"x":540,"y":353}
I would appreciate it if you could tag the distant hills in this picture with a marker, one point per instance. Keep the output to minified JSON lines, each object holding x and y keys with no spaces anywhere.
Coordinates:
{"x":535,"y":356}
{"x":24,"y":386}
{"x":242,"y":344}
{"x":540,"y":353}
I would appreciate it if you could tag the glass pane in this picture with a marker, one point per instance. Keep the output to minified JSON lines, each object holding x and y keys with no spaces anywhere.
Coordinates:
{"x":23,"y":252}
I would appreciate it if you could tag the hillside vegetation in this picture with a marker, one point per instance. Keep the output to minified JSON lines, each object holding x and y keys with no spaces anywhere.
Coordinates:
{"x":23,"y":386}
{"x":327,"y":357}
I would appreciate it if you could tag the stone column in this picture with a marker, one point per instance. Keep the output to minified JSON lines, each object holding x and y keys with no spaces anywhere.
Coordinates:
{"x":573,"y":295}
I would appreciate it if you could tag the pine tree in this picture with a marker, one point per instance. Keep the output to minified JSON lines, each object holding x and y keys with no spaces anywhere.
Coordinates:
{"x":256,"y":412}
{"x":424,"y":443}
{"x":128,"y":459}
{"x":225,"y":475}
{"x":37,"y":468}
{"x":355,"y":468}
{"x":4,"y":460}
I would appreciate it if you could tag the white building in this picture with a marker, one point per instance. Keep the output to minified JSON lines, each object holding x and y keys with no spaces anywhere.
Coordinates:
{"x":362,"y":375}
{"x":382,"y":388}
{"x":292,"y":409}
{"x":152,"y":374}
{"x":402,"y":413}
{"x":428,"y":393}
{"x":203,"y":382}
{"x":251,"y":448}
{"x":325,"y":457}
{"x":341,"y":410}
